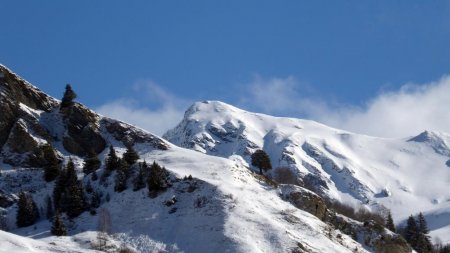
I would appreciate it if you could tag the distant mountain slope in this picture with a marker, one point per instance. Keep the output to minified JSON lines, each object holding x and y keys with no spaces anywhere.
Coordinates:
{"x":406,"y":175}
{"x":224,"y":207}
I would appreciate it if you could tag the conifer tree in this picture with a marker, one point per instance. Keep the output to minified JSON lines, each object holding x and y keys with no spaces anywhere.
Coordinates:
{"x":51,"y":166}
{"x":423,"y":239}
{"x":411,"y":231}
{"x":75,"y":203}
{"x":95,"y":200}
{"x":49,"y":213}
{"x":36,"y":213}
{"x":130,"y":156}
{"x":157,"y":179}
{"x":91,"y":163}
{"x":112,"y":161}
{"x":58,"y":227}
{"x":27,"y":213}
{"x":94,"y":176}
{"x":68,"y":194}
{"x":261,"y":160}
{"x":390,"y":223}
{"x":69,"y":96}
{"x":121,"y":176}
{"x":422,"y":223}
{"x":139,"y":180}
{"x":59,"y":189}
{"x":75,"y":200}
{"x":71,"y":174}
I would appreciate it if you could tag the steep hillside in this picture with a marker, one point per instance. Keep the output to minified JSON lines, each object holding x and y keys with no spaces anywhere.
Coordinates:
{"x":212,"y":204}
{"x":407,"y":175}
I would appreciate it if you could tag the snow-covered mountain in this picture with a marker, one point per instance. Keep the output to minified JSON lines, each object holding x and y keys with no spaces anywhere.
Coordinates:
{"x":407,"y":175}
{"x":224,"y":207}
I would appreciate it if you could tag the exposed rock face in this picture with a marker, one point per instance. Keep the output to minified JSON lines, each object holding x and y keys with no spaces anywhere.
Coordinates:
{"x":13,"y":91}
{"x":17,"y":125}
{"x":29,"y":118}
{"x":6,"y":200}
{"x":21,"y":148}
{"x":83,"y":133}
{"x":305,"y":200}
{"x":368,"y":233}
{"x":130,"y":135}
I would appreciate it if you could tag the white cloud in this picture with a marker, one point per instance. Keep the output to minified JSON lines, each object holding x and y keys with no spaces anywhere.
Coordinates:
{"x":405,"y":112}
{"x":152,"y":108}
{"x":278,"y":96}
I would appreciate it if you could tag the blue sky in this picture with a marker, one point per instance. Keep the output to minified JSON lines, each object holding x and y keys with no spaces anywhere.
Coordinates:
{"x":157,"y":57}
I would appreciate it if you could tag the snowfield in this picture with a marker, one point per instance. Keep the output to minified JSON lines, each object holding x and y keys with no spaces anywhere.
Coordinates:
{"x":407,"y":175}
{"x":228,"y":211}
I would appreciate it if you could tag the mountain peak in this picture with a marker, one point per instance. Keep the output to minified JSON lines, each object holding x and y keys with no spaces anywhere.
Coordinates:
{"x":210,"y":107}
{"x":435,"y":140}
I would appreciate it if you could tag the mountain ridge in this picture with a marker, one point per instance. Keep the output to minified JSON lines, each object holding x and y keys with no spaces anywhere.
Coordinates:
{"x":407,"y":175}
{"x":220,"y":207}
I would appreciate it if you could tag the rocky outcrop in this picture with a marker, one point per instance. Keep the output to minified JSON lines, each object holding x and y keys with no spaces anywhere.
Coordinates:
{"x":30,"y":118}
{"x":13,"y":92}
{"x":130,"y":135}
{"x":368,"y":233}
{"x":83,"y":134}
{"x":22,"y":148}
{"x":304,"y":199}
{"x":17,"y":123}
{"x":6,"y":200}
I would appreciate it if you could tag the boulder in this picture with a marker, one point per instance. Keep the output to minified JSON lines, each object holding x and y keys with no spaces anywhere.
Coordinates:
{"x":304,"y":199}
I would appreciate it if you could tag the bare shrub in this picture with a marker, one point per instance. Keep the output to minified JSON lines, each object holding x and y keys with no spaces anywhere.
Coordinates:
{"x":126,"y":250}
{"x":104,"y":229}
{"x":361,"y":214}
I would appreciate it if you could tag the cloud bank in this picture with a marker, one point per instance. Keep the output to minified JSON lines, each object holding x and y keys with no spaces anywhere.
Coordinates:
{"x":402,"y":113}
{"x":152,"y":108}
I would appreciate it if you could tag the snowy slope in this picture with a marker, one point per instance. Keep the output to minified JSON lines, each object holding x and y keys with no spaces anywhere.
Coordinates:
{"x":229,"y":211}
{"x":11,"y":243}
{"x":407,"y":175}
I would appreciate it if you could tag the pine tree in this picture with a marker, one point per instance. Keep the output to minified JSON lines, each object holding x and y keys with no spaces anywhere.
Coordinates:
{"x":422,"y":223}
{"x":91,"y":163}
{"x":121,"y":176}
{"x":68,"y":194}
{"x":423,"y":239}
{"x":94,"y":176}
{"x":59,"y":190}
{"x":71,"y":176}
{"x":36,"y":213}
{"x":26,"y":213}
{"x":139,"y":180}
{"x":51,"y":166}
{"x":58,"y":227}
{"x":157,"y":179}
{"x":411,"y":231}
{"x":95,"y":200}
{"x":261,"y":160}
{"x":112,"y":161}
{"x":130,"y":156}
{"x":75,"y":201}
{"x":69,"y":96}
{"x":49,"y":213}
{"x":390,"y":223}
